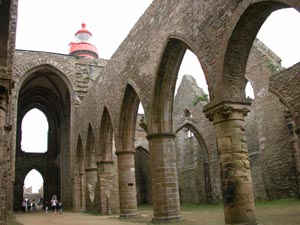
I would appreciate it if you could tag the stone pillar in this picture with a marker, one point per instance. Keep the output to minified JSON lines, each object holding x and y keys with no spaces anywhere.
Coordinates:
{"x":294,"y":140}
{"x":127,"y":186}
{"x":208,"y":191}
{"x":165,"y":189}
{"x":91,"y":181}
{"x":82,"y":191}
{"x":76,"y":191}
{"x":3,"y":155}
{"x":238,"y":198}
{"x":105,"y":170}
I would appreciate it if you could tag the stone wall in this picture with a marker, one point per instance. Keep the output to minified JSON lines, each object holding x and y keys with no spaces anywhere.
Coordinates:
{"x":268,"y":137}
{"x":272,"y":165}
{"x":41,"y":78}
{"x":195,"y":144}
{"x":144,"y":68}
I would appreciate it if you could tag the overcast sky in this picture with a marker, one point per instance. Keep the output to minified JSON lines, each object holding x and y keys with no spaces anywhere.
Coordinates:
{"x":45,"y":25}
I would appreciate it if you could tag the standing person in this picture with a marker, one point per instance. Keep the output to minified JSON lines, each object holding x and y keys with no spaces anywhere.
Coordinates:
{"x":24,"y":204}
{"x":33,"y":205}
{"x":46,"y":206}
{"x":54,"y":203}
{"x":60,"y":207}
{"x":28,"y":205}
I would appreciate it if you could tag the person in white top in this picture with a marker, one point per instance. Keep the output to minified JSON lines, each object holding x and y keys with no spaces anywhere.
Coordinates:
{"x":54,"y":203}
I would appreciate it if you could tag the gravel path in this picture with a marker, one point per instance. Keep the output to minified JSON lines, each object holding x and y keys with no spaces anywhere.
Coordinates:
{"x":68,"y":218}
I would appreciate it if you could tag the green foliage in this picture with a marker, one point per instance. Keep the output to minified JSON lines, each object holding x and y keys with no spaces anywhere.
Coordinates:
{"x":203,"y":206}
{"x":272,"y":67}
{"x":200,"y":98}
{"x":277,"y":203}
{"x":93,"y":212}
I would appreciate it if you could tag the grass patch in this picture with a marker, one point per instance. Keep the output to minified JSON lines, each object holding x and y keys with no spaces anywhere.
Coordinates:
{"x":196,"y":207}
{"x":277,"y":203}
{"x":92,"y":212}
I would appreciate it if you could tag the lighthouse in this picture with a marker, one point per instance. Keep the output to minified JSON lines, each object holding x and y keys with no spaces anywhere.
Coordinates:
{"x":82,"y":46}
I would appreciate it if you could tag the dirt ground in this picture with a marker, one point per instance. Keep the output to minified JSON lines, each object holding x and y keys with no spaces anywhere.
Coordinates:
{"x":68,"y":218}
{"x":274,"y":213}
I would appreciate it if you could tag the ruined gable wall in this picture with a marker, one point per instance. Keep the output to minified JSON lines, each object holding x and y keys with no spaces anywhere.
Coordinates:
{"x":273,"y":168}
{"x":78,"y":73}
{"x":285,"y":85}
{"x":191,"y":175}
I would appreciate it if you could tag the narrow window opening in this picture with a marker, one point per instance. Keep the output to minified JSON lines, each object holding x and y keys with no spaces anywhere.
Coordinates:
{"x":34,"y":132}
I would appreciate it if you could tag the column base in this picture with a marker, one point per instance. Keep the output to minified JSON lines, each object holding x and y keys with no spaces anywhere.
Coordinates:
{"x":130,"y":215}
{"x":168,"y":219}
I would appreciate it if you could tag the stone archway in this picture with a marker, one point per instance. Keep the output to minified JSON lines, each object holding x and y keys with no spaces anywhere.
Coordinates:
{"x":90,"y":170}
{"x":196,"y":164}
{"x":106,"y":168}
{"x":229,"y":107}
{"x":125,"y":153}
{"x":161,"y":136}
{"x":45,"y":90}
{"x":79,"y":178}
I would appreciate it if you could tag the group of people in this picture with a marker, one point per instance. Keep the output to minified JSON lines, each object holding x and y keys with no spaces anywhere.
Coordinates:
{"x":29,"y":206}
{"x":55,"y":205}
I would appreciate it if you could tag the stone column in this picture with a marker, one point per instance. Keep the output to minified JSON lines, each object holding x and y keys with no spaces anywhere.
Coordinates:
{"x":82,"y":191}
{"x":3,"y":154}
{"x":105,"y":170}
{"x":165,"y":189}
{"x":76,"y":191}
{"x":208,"y":191}
{"x":294,"y":140}
{"x":238,"y":198}
{"x":127,"y":186}
{"x":91,"y":181}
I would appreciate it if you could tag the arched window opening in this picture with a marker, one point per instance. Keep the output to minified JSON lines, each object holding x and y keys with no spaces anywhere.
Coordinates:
{"x":33,"y":190}
{"x":190,"y":66}
{"x":141,"y":109}
{"x":189,"y":134}
{"x":192,"y":165}
{"x":249,"y":90}
{"x":34,"y":132}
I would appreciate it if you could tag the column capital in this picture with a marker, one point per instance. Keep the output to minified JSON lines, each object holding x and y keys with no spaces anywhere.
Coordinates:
{"x":226,"y":110}
{"x":120,"y":152}
{"x":161,"y":135}
{"x":105,"y":162}
{"x":5,"y":80}
{"x":5,"y":88}
{"x":90,"y":169}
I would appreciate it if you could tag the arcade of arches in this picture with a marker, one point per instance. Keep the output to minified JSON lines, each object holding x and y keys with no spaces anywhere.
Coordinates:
{"x":102,"y":155}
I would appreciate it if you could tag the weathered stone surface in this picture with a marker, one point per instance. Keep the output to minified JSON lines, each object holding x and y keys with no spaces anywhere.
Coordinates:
{"x":144,"y":68}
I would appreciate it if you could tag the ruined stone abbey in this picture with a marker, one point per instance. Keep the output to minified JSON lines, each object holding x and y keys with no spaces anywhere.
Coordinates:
{"x":103,"y":155}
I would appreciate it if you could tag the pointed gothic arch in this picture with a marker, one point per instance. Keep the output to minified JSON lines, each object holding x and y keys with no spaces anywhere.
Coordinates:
{"x":125,"y":152}
{"x":79,"y":183}
{"x":246,"y":26}
{"x":31,"y":131}
{"x":90,"y":154}
{"x":203,"y":151}
{"x":105,"y":137}
{"x":48,"y":91}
